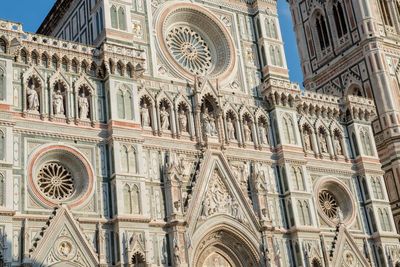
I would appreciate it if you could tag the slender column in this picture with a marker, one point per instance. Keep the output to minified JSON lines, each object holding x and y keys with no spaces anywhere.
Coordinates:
{"x":329,"y":145}
{"x":173,"y":122}
{"x":315,"y":145}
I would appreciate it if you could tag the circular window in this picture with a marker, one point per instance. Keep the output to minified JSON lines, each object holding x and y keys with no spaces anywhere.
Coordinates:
{"x":328,"y":204}
{"x":203,"y":48}
{"x":60,"y":174}
{"x":55,"y":181}
{"x":335,"y":201}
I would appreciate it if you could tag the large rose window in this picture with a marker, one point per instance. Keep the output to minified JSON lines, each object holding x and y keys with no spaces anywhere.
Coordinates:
{"x":55,"y":181}
{"x":189,"y":49}
{"x":335,"y":201}
{"x":194,"y":42}
{"x":60,"y":174}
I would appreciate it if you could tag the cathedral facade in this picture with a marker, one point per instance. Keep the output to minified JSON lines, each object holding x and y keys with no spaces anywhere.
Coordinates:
{"x":167,"y":133}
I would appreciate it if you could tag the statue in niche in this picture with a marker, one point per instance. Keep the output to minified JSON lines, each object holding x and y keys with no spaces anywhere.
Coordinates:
{"x":58,"y":103}
{"x":213,"y":125}
{"x":307,"y":143}
{"x":338,"y":145}
{"x":263,"y":134}
{"x":206,"y":120}
{"x":177,"y":257}
{"x":322,"y":142}
{"x":231,"y":129}
{"x":247,"y":132}
{"x":182,"y":119}
{"x":33,"y":98}
{"x":83,"y":104}
{"x":164,"y":118}
{"x":145,"y":115}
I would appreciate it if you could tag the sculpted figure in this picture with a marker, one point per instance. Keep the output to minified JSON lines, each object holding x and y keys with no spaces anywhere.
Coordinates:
{"x":164,"y":118}
{"x":247,"y":132}
{"x":322,"y":141}
{"x":145,"y":115}
{"x":58,"y":103}
{"x":213,"y":126}
{"x":182,"y":121}
{"x":83,"y":104}
{"x":263,"y":134}
{"x":231,"y":129}
{"x":33,"y":98}
{"x":338,"y":146}
{"x":206,"y":122}
{"x":307,"y":143}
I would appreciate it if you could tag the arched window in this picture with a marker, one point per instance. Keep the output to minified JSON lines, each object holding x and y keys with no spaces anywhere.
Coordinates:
{"x":128,"y":105}
{"x":45,"y":61}
{"x":135,"y":200}
{"x":74,"y":66}
{"x":300,"y":211}
{"x":64,"y":64}
{"x":356,"y":151}
{"x":340,"y":19}
{"x":307,"y":214}
{"x":84,"y":67}
{"x":2,"y":188}
{"x":278,"y":57}
{"x":54,"y":62}
{"x":114,"y":17}
{"x":377,"y":188}
{"x":366,"y":143}
{"x":24,"y":57}
{"x":297,"y":177}
{"x":35,"y":59}
{"x":120,"y":103}
{"x":322,"y":31}
{"x":121,"y":19}
{"x":127,"y":199}
{"x":2,"y":145}
{"x":3,"y":46}
{"x":120,"y":69}
{"x":372,"y":220}
{"x":385,"y":12}
{"x":132,"y":160}
{"x":291,"y":217}
{"x":288,"y":130}
{"x":365,"y":188}
{"x":385,"y":220}
{"x":138,"y":260}
{"x":2,"y":84}
{"x":124,"y":159}
{"x":272,"y":55}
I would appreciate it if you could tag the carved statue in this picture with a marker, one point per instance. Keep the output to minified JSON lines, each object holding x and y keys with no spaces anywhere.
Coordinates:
{"x":231,"y":129}
{"x":307,"y":143}
{"x":338,"y":145}
{"x":182,"y":118}
{"x":263,"y":134}
{"x":83,"y":104}
{"x":177,"y":257}
{"x":247,"y":132}
{"x":213,"y":125}
{"x":58,"y":103}
{"x":322,"y":142}
{"x":145,"y":115}
{"x":164,"y":118}
{"x":33,"y":98}
{"x":206,"y":122}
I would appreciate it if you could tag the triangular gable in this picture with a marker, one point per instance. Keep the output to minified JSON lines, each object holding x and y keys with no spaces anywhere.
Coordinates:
{"x":346,"y":251}
{"x":218,"y":193}
{"x":206,"y":87}
{"x":62,"y":240}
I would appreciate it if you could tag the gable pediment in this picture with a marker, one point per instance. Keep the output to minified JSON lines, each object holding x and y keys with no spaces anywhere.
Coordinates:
{"x":62,"y":241}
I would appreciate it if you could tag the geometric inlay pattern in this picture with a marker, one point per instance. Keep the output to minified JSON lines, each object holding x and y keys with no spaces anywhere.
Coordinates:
{"x":328,"y":204}
{"x":55,"y":181}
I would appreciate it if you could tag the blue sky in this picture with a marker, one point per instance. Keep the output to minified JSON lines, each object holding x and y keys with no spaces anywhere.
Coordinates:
{"x":32,"y":12}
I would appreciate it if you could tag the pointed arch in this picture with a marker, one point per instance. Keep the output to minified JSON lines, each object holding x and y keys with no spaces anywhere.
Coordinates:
{"x":114,"y":17}
{"x":65,"y":64}
{"x":2,"y":145}
{"x":75,"y":65}
{"x":120,"y":104}
{"x":3,"y":46}
{"x":24,"y":56}
{"x":35,"y":58}
{"x":124,"y":159}
{"x":135,"y":199}
{"x":2,"y":84}
{"x":300,"y":212}
{"x":307,"y":213}
{"x":132,"y":158}
{"x":45,"y":60}
{"x":54,"y":62}
{"x":127,"y":199}
{"x":121,"y":19}
{"x":128,"y":104}
{"x":385,"y":12}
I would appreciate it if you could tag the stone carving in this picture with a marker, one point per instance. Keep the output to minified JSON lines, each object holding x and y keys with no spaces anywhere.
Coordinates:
{"x":137,"y":29}
{"x":33,"y":98}
{"x":164,"y":118}
{"x":337,"y":146}
{"x":177,"y":257}
{"x":307,"y":141}
{"x":322,"y":143}
{"x":209,"y":125}
{"x":145,"y":115}
{"x":263,"y":130}
{"x":83,"y":105}
{"x":182,"y":119}
{"x":247,"y":132}
{"x":189,"y":50}
{"x":58,"y":103}
{"x":55,"y":181}
{"x":219,"y":200}
{"x":231,"y":129}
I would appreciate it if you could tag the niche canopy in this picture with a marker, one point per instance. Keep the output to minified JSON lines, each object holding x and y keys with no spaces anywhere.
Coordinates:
{"x":194,"y":42}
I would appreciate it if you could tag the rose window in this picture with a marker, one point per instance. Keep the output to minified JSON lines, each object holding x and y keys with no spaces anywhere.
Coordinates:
{"x":55,"y":181}
{"x":189,"y":49}
{"x":328,"y":204}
